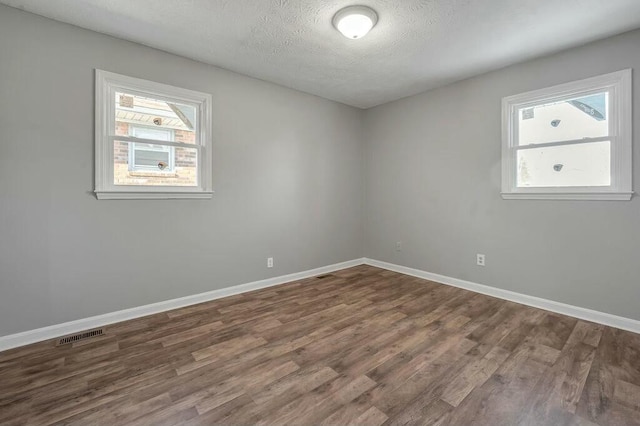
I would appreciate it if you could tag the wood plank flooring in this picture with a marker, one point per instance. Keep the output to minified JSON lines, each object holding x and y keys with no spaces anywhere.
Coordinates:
{"x":359,"y":346}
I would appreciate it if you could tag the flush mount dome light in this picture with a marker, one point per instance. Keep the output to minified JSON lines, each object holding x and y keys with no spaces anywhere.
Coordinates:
{"x":355,"y":21}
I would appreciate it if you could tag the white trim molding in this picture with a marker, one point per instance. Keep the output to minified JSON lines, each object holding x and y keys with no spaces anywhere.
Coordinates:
{"x":524,"y":299}
{"x":51,"y":332}
{"x":575,"y":196}
{"x":152,"y":195}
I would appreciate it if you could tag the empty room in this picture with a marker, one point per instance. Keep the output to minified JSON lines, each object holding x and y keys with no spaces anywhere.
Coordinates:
{"x":319,"y":212}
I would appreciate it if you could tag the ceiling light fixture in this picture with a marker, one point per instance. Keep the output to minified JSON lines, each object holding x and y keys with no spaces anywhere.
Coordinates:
{"x":355,"y":21}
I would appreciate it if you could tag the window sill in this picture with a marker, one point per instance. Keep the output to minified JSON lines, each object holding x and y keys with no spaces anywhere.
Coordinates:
{"x":153,"y":174}
{"x":155,"y":195}
{"x":579,"y":196}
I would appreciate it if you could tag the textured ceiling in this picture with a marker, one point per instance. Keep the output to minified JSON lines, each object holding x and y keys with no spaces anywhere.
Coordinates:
{"x":417,"y":44}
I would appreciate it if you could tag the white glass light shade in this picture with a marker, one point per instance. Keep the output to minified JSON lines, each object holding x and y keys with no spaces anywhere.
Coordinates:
{"x":355,"y":21}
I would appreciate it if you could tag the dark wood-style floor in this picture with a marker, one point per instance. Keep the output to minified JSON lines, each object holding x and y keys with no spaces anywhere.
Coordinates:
{"x":359,"y":346}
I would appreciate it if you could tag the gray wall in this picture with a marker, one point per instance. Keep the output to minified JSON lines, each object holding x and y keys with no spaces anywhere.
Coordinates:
{"x":432,"y":174}
{"x":287,"y":175}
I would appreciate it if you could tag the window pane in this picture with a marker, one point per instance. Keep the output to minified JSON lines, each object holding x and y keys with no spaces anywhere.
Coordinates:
{"x":151,"y":157}
{"x":150,"y":133}
{"x":145,"y":114}
{"x":567,"y":165}
{"x":570,"y":119}
{"x":154,"y":165}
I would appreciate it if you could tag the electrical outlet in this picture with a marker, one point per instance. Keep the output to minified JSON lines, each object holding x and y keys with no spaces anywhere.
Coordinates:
{"x":399,"y":246}
{"x":269,"y":262}
{"x":480,"y":259}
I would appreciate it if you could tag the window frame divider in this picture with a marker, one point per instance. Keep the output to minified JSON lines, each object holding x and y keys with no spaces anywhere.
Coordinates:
{"x":564,"y":143}
{"x":155,"y":142}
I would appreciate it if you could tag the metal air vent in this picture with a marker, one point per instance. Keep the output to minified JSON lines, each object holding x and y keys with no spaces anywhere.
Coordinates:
{"x":80,"y":336}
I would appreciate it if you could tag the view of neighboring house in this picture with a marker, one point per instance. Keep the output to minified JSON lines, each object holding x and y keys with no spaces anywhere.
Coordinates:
{"x":567,"y":165}
{"x":154,"y":164}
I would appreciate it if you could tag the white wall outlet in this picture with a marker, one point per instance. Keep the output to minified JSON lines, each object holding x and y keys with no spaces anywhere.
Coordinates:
{"x":480,"y":259}
{"x":269,"y":262}
{"x":399,"y":246}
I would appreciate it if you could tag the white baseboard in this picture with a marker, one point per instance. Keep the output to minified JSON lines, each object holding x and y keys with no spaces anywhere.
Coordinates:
{"x":537,"y":302}
{"x":53,"y":331}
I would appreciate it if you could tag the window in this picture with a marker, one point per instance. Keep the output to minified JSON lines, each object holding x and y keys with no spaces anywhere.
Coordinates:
{"x":569,"y":142}
{"x":152,"y":140}
{"x":151,"y":157}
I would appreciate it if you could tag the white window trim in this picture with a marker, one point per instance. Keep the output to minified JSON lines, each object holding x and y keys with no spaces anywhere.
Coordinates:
{"x":619,"y":83}
{"x":107,"y":83}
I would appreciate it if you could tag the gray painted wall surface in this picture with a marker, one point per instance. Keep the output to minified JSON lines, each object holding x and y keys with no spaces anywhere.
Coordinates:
{"x":287,"y":175}
{"x":433,"y":182}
